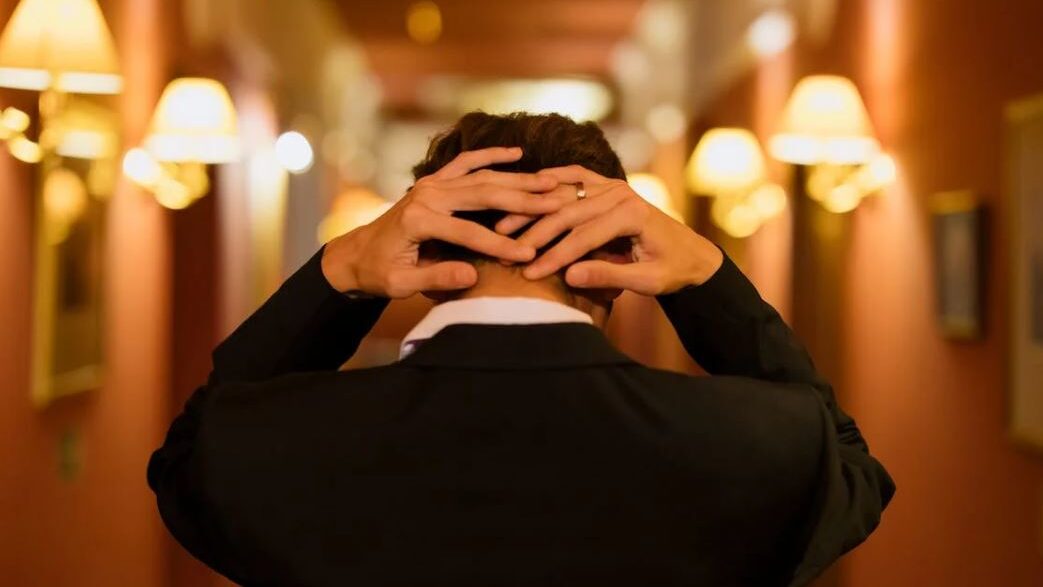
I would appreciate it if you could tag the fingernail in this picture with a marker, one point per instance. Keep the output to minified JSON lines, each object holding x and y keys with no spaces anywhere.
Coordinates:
{"x":526,"y":252}
{"x":578,"y":276}
{"x":461,"y":276}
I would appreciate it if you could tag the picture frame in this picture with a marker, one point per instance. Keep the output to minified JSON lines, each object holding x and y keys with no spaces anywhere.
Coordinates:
{"x":1024,"y":170}
{"x":69,"y":228}
{"x":958,"y":222}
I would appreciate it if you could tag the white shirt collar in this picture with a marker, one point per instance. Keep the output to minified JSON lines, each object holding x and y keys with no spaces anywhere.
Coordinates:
{"x":489,"y":311}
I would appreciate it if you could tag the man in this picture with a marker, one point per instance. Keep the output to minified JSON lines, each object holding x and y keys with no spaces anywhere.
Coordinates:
{"x":512,"y":444}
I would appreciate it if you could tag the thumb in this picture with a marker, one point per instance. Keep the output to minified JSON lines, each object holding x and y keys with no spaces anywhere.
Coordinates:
{"x":445,"y":276}
{"x":637,"y":277}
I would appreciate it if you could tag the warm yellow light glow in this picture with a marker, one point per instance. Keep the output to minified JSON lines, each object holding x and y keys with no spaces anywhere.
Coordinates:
{"x":64,"y":195}
{"x":84,"y":144}
{"x":64,"y":202}
{"x":351,"y":209}
{"x":663,"y":26}
{"x":825,"y":121}
{"x":424,"y":22}
{"x":725,"y":160}
{"x":666,"y":122}
{"x":14,"y":119}
{"x":101,"y":179}
{"x":195,"y":178}
{"x":822,"y":179}
{"x":877,"y":174}
{"x":655,"y":192}
{"x":25,"y":150}
{"x":141,"y":167}
{"x":735,"y":216}
{"x":60,"y":44}
{"x":772,"y":33}
{"x":294,"y":152}
{"x":194,"y":121}
{"x":842,"y":198}
{"x":580,"y":100}
{"x":84,"y":130}
{"x":769,"y":200}
{"x":172,"y":194}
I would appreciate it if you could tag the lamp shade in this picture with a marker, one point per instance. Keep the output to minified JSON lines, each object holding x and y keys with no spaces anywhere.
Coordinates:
{"x":725,"y":160}
{"x":194,"y":121}
{"x":825,"y":121}
{"x":59,"y":44}
{"x":654,"y":191}
{"x":351,"y":209}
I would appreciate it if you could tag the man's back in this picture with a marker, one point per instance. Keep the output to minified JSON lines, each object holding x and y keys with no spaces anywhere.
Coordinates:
{"x":515,"y":455}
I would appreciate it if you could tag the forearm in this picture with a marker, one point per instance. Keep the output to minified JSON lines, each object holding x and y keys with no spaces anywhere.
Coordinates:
{"x":307,"y":325}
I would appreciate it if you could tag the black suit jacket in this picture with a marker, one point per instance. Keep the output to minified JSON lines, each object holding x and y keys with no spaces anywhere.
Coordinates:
{"x":515,"y":455}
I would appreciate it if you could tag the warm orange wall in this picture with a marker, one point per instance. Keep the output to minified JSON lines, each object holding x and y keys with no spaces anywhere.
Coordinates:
{"x":936,"y":76}
{"x":101,"y":527}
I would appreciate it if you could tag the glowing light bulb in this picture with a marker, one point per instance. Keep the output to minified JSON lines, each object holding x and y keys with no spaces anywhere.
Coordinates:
{"x":769,"y":200}
{"x":25,"y":150}
{"x":64,"y":196}
{"x":14,"y":119}
{"x":736,"y":217}
{"x":141,"y":167}
{"x":880,"y":172}
{"x":294,"y":152}
{"x":172,"y":194}
{"x":772,"y":33}
{"x":843,"y":198}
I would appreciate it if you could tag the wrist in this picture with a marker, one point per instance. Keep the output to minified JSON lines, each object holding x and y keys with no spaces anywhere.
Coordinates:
{"x":709,"y":259}
{"x":339,"y":263}
{"x":703,"y":261}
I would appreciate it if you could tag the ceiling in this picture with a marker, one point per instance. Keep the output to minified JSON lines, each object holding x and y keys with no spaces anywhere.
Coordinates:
{"x":489,"y":38}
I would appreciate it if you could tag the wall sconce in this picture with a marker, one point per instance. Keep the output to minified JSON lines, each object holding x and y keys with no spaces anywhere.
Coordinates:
{"x":54,"y":47}
{"x":728,"y":164}
{"x":193,"y":125}
{"x":826,"y":127}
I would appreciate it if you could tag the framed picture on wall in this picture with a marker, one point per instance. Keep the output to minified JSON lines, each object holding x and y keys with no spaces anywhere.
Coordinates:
{"x":1025,"y":185}
{"x":72,"y":195}
{"x":957,"y":220}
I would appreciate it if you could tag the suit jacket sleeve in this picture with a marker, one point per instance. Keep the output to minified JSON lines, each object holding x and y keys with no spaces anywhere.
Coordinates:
{"x":729,"y":330}
{"x":305,"y":326}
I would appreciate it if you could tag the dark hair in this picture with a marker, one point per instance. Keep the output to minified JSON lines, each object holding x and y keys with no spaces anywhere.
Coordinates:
{"x":547,"y":140}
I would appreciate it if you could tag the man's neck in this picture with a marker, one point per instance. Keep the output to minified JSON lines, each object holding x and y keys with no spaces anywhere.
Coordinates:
{"x":504,"y":283}
{"x":495,"y":281}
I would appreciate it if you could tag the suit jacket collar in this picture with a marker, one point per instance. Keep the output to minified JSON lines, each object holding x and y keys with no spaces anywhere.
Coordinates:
{"x":531,"y":346}
{"x":489,"y":310}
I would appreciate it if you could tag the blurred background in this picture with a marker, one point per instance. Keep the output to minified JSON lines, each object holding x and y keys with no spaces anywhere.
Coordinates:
{"x":875,"y":166}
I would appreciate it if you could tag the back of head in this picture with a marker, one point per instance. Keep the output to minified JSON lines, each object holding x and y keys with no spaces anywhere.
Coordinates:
{"x":547,"y":140}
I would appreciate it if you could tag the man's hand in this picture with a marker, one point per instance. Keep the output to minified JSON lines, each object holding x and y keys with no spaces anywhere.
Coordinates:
{"x":666,"y":255}
{"x":380,"y":258}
